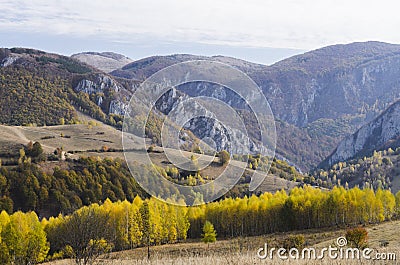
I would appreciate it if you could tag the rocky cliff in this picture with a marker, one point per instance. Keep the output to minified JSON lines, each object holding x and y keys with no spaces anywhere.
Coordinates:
{"x":106,"y":92}
{"x":381,"y":133}
{"x":198,"y":117}
{"x":359,"y":78}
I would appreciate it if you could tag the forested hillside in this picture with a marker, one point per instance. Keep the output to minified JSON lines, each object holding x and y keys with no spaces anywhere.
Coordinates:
{"x":29,"y":97}
{"x":27,"y":187}
{"x":379,"y":171}
{"x":38,"y":88}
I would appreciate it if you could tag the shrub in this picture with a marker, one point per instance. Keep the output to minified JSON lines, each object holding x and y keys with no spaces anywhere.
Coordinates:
{"x":224,"y":157}
{"x":294,"y":241}
{"x":357,"y":237}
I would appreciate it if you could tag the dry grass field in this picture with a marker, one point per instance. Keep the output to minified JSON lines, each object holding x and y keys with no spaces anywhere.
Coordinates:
{"x":78,"y":137}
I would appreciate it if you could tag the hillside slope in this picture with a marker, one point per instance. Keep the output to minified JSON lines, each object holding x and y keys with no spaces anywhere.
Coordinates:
{"x":381,"y":133}
{"x":105,"y":61}
{"x":40,"y":88}
{"x":381,"y":170}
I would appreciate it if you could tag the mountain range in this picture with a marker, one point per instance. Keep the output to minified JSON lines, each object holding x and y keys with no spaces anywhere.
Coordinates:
{"x":318,"y":98}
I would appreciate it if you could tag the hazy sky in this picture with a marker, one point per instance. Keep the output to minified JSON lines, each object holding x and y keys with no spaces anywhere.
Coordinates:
{"x":258,"y":30}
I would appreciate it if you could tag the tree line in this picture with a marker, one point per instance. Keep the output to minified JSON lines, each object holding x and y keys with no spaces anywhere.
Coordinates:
{"x":90,"y":231}
{"x":302,"y":208}
{"x":99,"y":228}
{"x":65,"y":187}
{"x":27,"y":187}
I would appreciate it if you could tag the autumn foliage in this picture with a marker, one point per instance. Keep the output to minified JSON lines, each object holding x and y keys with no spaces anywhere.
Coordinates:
{"x":99,"y":228}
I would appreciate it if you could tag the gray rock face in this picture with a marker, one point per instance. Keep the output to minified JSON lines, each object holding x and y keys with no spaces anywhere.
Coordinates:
{"x":372,"y":136}
{"x":117,"y":107}
{"x":197,"y":117}
{"x":104,"y":85}
{"x":170,"y":100}
{"x":100,"y":84}
{"x":9,"y":60}
{"x":300,"y":97}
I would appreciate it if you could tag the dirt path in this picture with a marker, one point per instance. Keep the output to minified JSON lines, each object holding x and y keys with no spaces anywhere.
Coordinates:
{"x":18,"y":133}
{"x":25,"y":140}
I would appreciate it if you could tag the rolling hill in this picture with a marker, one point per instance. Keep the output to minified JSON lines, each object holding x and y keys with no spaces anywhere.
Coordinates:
{"x":40,"y":88}
{"x":105,"y":61}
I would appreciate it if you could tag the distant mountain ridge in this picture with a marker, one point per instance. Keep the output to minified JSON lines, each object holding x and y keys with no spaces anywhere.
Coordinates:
{"x":352,"y":79}
{"x":105,"y":61}
{"x":143,"y":68}
{"x":339,"y":55}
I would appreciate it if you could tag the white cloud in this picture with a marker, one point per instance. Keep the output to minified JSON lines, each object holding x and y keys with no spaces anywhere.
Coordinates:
{"x":301,"y":24}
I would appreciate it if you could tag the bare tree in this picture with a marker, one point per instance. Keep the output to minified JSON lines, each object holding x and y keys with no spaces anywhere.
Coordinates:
{"x":87,"y":235}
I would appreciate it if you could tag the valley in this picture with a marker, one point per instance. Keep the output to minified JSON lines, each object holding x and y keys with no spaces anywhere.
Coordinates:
{"x":359,"y":79}
{"x":69,"y":183}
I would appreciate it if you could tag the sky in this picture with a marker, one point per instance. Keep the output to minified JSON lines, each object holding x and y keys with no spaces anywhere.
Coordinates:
{"x":263,"y":31}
